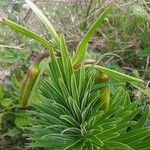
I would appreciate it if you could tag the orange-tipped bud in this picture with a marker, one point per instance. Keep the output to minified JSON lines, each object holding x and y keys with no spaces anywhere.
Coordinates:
{"x":84,"y":62}
{"x":30,"y":79}
{"x":105,"y":90}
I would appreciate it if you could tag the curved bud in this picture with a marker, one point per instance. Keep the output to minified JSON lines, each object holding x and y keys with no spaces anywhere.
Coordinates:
{"x":105,"y":90}
{"x":30,"y":80}
{"x":84,"y":62}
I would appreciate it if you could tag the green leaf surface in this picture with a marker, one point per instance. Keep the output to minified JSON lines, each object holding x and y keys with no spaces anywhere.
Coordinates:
{"x":143,"y":119}
{"x":26,"y":32}
{"x":145,"y":52}
{"x":22,"y":119}
{"x":74,"y":145}
{"x":13,"y":132}
{"x":45,"y":21}
{"x":142,"y":88}
{"x":70,"y":120}
{"x":6,"y":102}
{"x":82,"y":47}
{"x":117,"y":145}
{"x":1,"y":92}
{"x":118,"y":75}
{"x":96,"y":141}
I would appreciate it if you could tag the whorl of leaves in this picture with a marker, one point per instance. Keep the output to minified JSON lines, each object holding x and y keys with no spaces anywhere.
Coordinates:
{"x":70,"y":116}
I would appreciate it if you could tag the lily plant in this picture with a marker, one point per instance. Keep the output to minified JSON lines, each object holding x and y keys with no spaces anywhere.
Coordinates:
{"x":75,"y":109}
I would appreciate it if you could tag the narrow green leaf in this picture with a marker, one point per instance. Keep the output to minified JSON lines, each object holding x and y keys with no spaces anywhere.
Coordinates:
{"x":64,"y":90}
{"x":74,"y":145}
{"x":81,"y":81}
{"x":55,"y":65}
{"x":115,"y":97}
{"x":133,"y":133}
{"x":55,"y":142}
{"x":51,"y":110}
{"x":82,"y":47}
{"x":143,"y":119}
{"x":74,"y":88}
{"x":96,"y":140}
{"x":45,"y":21}
{"x":117,"y":145}
{"x":96,"y":130}
{"x":63,"y":109}
{"x":77,"y":110}
{"x":123,"y":126}
{"x":72,"y":130}
{"x":118,"y":103}
{"x":51,"y":92}
{"x":54,"y":136}
{"x":108,"y":136}
{"x":143,"y":144}
{"x":90,"y":145}
{"x":71,"y":107}
{"x":70,"y":120}
{"x":128,"y":109}
{"x":64,"y":50}
{"x":84,"y":100}
{"x":67,"y":68}
{"x":127,"y":98}
{"x":118,"y":75}
{"x":26,"y":32}
{"x":130,"y":116}
{"x":134,"y":136}
{"x":52,"y":120}
{"x":143,"y":89}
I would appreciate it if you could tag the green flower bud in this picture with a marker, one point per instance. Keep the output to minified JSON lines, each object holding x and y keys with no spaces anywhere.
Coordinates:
{"x":30,"y":79}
